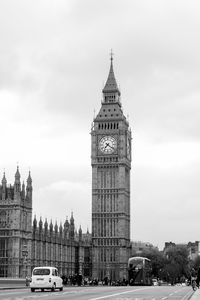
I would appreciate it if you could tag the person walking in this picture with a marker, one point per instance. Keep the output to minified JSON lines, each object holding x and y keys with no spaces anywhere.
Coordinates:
{"x":198,"y":277}
{"x":193,"y":279}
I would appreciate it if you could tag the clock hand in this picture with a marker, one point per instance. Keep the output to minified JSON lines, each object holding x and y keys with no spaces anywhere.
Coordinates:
{"x":110,"y":146}
{"x":107,"y":144}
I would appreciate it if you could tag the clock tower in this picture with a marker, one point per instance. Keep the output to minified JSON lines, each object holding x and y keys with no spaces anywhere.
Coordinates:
{"x":111,"y":165}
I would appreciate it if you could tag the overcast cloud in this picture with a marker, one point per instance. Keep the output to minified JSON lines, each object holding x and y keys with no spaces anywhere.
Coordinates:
{"x":54,"y":60}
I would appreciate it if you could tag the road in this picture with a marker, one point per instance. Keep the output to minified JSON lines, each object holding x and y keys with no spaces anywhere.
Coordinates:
{"x":101,"y":293}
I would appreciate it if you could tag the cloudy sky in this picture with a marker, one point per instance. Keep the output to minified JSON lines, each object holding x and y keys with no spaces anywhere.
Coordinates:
{"x":54,"y":61}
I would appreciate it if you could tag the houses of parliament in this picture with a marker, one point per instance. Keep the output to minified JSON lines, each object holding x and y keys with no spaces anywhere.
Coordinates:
{"x":26,"y":242}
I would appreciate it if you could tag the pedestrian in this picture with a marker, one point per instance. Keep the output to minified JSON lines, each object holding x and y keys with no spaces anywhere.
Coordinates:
{"x":27,"y":281}
{"x":193,"y":278}
{"x":198,"y":277}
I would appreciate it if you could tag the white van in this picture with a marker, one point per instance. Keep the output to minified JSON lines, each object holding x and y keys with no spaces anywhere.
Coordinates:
{"x":46,"y":278}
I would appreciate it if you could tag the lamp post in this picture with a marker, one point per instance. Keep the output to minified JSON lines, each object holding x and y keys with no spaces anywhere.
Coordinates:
{"x":25,"y":255}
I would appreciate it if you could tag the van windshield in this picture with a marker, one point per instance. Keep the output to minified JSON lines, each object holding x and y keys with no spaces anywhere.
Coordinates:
{"x":41,"y":271}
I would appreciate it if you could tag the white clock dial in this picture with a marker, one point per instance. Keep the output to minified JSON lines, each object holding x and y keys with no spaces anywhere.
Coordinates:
{"x":108,"y":144}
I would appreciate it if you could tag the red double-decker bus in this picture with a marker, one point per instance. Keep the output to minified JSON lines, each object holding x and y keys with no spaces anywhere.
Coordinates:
{"x":139,"y":271}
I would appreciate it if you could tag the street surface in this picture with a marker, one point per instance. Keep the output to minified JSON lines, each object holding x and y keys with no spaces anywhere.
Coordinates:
{"x":102,"y":292}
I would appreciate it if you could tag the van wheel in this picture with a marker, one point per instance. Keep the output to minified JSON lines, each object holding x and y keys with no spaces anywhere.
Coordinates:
{"x":42,"y":290}
{"x":32,"y":290}
{"x":61,"y":289}
{"x":53,"y":288}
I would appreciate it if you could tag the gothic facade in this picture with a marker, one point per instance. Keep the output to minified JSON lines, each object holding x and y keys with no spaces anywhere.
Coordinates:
{"x":62,"y":247}
{"x":15,"y":226}
{"x":111,"y":165}
{"x":25,"y":244}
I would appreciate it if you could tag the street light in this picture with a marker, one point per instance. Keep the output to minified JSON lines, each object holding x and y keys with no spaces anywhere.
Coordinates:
{"x":25,"y":255}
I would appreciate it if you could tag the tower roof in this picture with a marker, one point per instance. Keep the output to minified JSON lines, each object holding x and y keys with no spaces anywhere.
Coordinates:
{"x":111,"y":83}
{"x":4,"y":181}
{"x":17,"y":174}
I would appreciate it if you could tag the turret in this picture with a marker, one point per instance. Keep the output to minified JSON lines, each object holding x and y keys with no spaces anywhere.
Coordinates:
{"x":60,"y":230}
{"x":51,"y":228}
{"x":72,"y":227}
{"x":56,"y":228}
{"x":34,"y":223}
{"x":45,"y":227}
{"x":17,"y":184}
{"x":80,"y":233}
{"x":111,"y":92}
{"x":4,"y":183}
{"x":40,"y":225}
{"x":66,"y":229}
{"x":29,"y":187}
{"x":23,"y":190}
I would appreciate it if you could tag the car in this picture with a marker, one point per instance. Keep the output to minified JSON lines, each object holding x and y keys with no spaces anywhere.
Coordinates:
{"x":46,"y":278}
{"x":154,"y":281}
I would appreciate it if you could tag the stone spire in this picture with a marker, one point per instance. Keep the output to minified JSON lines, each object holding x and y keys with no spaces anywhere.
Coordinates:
{"x":29,"y":179}
{"x":46,"y":225}
{"x":72,"y":227}
{"x":111,"y":89}
{"x":29,"y":188}
{"x":80,"y":233}
{"x":17,"y":184}
{"x":34,"y":223}
{"x":23,"y":190}
{"x":17,"y":175}
{"x":4,"y":181}
{"x":72,"y":219}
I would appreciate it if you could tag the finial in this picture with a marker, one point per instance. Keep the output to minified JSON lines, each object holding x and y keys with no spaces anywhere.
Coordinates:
{"x":111,"y":55}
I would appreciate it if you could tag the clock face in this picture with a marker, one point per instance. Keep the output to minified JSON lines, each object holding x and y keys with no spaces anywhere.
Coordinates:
{"x":108,"y":144}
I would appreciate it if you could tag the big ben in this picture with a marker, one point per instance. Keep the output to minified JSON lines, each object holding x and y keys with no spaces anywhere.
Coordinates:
{"x":111,"y":165}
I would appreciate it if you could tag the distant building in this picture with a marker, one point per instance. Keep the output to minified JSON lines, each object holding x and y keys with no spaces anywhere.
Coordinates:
{"x":138,"y":247}
{"x":193,"y":248}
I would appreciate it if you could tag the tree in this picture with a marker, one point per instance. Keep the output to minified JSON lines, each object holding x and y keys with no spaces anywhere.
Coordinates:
{"x":177,"y":264}
{"x":173,"y":266}
{"x":157,"y":260}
